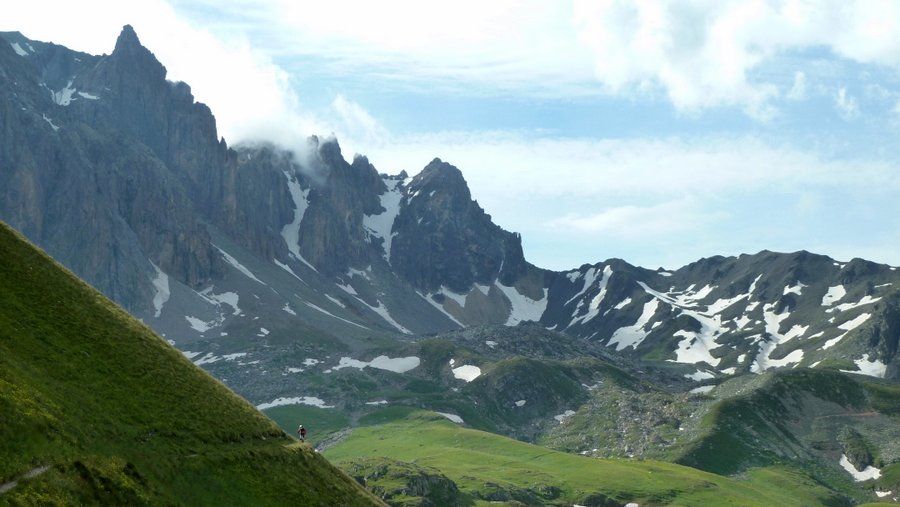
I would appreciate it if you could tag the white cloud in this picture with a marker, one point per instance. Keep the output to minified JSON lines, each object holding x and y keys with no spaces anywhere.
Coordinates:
{"x":356,"y":126}
{"x":500,"y":163}
{"x":702,"y":54}
{"x":798,"y":89}
{"x":641,"y":222}
{"x":846,"y":104}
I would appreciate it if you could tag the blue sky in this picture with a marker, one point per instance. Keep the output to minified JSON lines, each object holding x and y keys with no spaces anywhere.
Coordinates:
{"x":659,"y":132}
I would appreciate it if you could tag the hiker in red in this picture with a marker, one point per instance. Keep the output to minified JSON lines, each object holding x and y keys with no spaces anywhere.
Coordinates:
{"x":302,"y":431}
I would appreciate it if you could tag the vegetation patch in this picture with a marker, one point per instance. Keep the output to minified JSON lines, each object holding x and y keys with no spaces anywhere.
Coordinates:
{"x":488,"y":467}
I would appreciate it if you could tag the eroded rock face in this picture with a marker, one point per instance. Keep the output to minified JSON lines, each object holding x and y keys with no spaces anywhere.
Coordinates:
{"x":95,"y":171}
{"x":884,"y":335}
{"x":444,"y":238}
{"x":332,"y":236}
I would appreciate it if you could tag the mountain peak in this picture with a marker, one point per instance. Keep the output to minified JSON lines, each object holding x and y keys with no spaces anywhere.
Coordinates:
{"x":127,"y":38}
{"x":129,"y":49}
{"x":443,"y":176}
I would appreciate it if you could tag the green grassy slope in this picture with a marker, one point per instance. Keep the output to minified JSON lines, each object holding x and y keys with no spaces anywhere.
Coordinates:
{"x":488,"y":467}
{"x":119,"y":417}
{"x":804,"y":419}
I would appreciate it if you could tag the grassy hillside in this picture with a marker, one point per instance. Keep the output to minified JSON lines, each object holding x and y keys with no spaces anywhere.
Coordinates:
{"x":97,"y":409}
{"x":804,"y":419}
{"x":487,"y":467}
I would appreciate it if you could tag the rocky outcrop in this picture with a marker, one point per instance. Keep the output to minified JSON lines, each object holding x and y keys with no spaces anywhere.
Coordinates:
{"x":85,"y":175}
{"x":406,"y":484}
{"x":332,"y":236}
{"x":444,"y":238}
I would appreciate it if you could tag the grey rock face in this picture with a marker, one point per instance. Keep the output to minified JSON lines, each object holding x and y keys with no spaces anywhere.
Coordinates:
{"x":444,"y":238}
{"x":85,"y":174}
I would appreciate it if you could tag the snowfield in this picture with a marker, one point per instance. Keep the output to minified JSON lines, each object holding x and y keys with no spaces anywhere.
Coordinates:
{"x":859,"y":475}
{"x":396,"y":365}
{"x":305,"y":400}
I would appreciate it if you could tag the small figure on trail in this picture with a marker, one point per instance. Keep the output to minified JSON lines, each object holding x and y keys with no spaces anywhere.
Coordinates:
{"x":302,"y":432}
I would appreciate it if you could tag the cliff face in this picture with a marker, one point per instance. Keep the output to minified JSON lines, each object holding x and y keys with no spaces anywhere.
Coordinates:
{"x":444,"y":238}
{"x":85,"y":169}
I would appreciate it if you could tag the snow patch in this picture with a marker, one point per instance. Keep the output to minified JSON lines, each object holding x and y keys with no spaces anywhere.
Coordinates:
{"x":336,"y":301}
{"x":702,"y":389}
{"x":523,"y":308}
{"x":287,"y":309}
{"x":593,"y":307}
{"x":859,"y":475}
{"x":795,"y":289}
{"x":379,"y":402}
{"x":490,"y":343}
{"x":459,"y":298}
{"x":88,"y":96}
{"x":351,"y":272}
{"x":622,"y":304}
{"x":561,"y":418}
{"x":48,"y":120}
{"x":198,"y":325}
{"x":380,"y":225}
{"x":237,"y":265}
{"x":383,"y":312}
{"x":866,"y":300}
{"x":453,"y":417}
{"x":723,"y":304}
{"x":326,"y":312}
{"x":289,"y":270}
{"x":291,"y":231}
{"x":848,"y":326}
{"x":18,"y":49}
{"x":229,"y":298}
{"x":697,"y":345}
{"x":633,"y":335}
{"x":348,"y":289}
{"x":396,"y":364}
{"x":64,"y":96}
{"x":521,"y":403}
{"x":698,"y":375}
{"x":467,"y":372}
{"x":207,"y":359}
{"x":161,"y":283}
{"x":306,"y":400}
{"x":852,"y":324}
{"x":232,"y":357}
{"x":773,"y":326}
{"x":262,"y":332}
{"x":873,"y":368}
{"x":440,"y":308}
{"x":833,"y":295}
